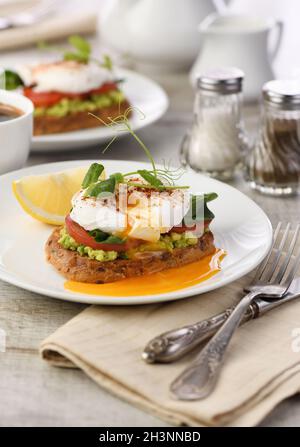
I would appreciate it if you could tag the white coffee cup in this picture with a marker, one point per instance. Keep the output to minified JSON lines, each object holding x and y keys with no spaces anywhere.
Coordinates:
{"x":16,"y":133}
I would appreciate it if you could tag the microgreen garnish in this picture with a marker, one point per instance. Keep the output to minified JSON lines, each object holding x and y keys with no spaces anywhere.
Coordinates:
{"x":160,"y":188}
{"x":150,"y":178}
{"x":153,"y":177}
{"x":79,"y":51}
{"x":123,"y":120}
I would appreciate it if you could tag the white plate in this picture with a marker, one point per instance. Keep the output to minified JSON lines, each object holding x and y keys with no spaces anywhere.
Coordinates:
{"x":240,"y":227}
{"x":142,"y":93}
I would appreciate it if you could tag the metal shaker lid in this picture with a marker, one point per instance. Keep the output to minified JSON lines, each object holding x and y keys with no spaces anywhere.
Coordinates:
{"x":284,"y":94}
{"x":224,"y":80}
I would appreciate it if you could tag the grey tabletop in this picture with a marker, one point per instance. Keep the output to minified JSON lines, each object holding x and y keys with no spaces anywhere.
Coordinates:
{"x":35,"y":394}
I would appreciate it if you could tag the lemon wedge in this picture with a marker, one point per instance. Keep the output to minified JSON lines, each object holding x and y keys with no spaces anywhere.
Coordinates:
{"x":47,"y":197}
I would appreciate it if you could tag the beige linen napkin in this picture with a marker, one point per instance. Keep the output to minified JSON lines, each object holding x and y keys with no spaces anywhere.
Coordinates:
{"x":261,"y":368}
{"x":54,"y":27}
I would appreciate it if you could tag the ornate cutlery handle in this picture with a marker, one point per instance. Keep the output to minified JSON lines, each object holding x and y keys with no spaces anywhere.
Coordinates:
{"x":199,"y":379}
{"x":173,"y":344}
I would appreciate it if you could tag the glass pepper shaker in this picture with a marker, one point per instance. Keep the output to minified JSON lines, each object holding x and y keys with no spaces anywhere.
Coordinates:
{"x":215,"y":143}
{"x":273,"y":166}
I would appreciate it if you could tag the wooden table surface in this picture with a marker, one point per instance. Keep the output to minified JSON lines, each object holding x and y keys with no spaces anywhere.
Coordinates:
{"x":35,"y":394}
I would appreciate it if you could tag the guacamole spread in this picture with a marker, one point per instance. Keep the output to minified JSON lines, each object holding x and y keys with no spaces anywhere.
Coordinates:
{"x":166,"y":242}
{"x":74,"y":105}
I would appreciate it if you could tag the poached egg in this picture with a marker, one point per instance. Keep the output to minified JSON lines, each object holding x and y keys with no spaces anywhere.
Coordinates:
{"x":141,"y":215}
{"x":65,"y":76}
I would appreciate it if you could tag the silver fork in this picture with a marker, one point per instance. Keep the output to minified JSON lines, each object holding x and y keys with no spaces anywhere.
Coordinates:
{"x":271,"y":280}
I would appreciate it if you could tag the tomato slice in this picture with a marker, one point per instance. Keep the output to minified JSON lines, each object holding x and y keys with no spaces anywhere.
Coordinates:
{"x":47,"y":99}
{"x":82,"y":237}
{"x":42,"y":99}
{"x":183,"y":228}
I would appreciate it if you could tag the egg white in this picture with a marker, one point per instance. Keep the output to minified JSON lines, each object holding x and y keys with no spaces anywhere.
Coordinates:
{"x":144,"y":217}
{"x":64,"y":76}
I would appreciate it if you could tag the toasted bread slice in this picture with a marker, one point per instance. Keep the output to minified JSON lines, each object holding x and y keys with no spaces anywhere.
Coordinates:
{"x":80,"y":268}
{"x":44,"y":125}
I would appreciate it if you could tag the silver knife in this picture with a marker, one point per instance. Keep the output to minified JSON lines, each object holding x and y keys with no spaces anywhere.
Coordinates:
{"x":174,"y":344}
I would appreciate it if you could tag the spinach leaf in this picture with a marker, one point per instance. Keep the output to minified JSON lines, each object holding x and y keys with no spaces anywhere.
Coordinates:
{"x":92,"y":175}
{"x":119,"y":178}
{"x":100,"y":187}
{"x":113,"y":240}
{"x":105,"y":238}
{"x":98,"y":235}
{"x":104,"y":186}
{"x":12,"y":80}
{"x":210,"y":196}
{"x":199,"y":210}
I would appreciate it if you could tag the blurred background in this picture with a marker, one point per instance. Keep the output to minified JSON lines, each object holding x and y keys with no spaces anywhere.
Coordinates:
{"x":139,"y":24}
{"x":171,"y":42}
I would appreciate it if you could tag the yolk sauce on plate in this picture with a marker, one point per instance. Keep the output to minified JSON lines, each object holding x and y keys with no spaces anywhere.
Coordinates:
{"x":161,"y":282}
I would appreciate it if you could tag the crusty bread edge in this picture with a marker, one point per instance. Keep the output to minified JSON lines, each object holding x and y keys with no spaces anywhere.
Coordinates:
{"x":44,"y":125}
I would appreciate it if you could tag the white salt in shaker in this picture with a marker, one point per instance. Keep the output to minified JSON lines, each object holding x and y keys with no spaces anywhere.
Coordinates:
{"x":216,"y":141}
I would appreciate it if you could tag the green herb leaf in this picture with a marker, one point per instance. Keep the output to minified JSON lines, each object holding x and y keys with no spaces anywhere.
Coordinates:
{"x":124,"y":120}
{"x":12,"y":80}
{"x":210,"y":196}
{"x":81,"y":45}
{"x":81,"y":52}
{"x":101,"y":187}
{"x":105,"y":238}
{"x":107,"y":62}
{"x":92,"y":175}
{"x":199,"y":210}
{"x":104,"y":186}
{"x":150,"y":178}
{"x":119,"y":178}
{"x":77,"y":57}
{"x":113,"y":240}
{"x":99,"y":235}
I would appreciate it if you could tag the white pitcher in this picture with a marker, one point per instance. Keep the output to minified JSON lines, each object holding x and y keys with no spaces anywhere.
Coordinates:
{"x":241,"y":41}
{"x":157,"y":32}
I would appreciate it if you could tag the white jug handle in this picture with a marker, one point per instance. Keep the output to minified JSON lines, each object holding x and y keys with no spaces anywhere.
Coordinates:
{"x":208,"y":21}
{"x":279,"y":27}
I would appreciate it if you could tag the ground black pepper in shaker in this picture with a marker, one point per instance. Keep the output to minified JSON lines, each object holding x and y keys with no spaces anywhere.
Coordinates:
{"x":273,"y":166}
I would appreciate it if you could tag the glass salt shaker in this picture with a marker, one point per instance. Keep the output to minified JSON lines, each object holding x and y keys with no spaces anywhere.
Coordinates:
{"x":273,"y":165}
{"x":216,"y":141}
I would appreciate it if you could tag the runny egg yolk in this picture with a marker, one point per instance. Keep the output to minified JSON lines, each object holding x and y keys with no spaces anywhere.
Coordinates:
{"x":162,"y":282}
